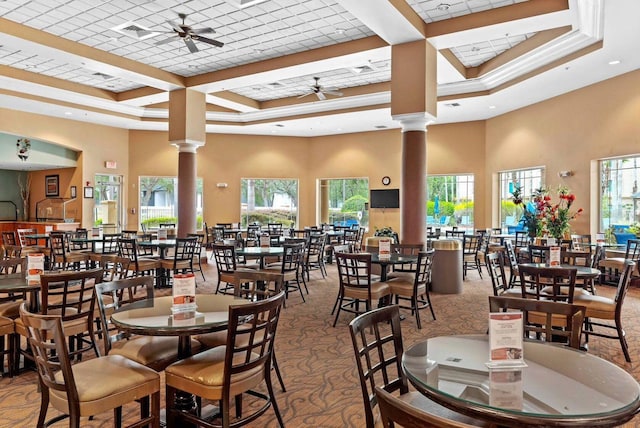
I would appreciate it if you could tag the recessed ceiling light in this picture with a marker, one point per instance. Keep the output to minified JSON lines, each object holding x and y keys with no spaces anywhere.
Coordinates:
{"x":614,"y":62}
{"x":443,"y":7}
{"x":247,"y":3}
{"x":340,"y":30}
{"x":68,"y":113}
{"x":492,"y":107}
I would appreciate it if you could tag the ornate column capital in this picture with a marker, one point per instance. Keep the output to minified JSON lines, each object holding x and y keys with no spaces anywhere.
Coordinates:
{"x":414,"y":121}
{"x":187,"y":146}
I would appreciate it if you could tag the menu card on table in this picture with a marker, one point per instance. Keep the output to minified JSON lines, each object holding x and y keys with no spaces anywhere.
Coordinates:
{"x":600,"y":239}
{"x":264,"y":241}
{"x":162,"y":234}
{"x":505,"y":339}
{"x":554,"y":256}
{"x":184,"y":292}
{"x":35,"y":267}
{"x":384,"y":248}
{"x":95,"y":231}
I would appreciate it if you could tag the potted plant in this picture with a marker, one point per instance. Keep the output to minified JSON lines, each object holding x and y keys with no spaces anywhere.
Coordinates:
{"x":388,"y":232}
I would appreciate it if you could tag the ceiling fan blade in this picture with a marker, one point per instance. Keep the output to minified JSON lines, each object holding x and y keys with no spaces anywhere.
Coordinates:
{"x":192,"y":46}
{"x":332,"y":92}
{"x":165,"y":41}
{"x":321,"y":96}
{"x":205,"y":30}
{"x":305,"y":95}
{"x":207,"y":40}
{"x":176,"y":27}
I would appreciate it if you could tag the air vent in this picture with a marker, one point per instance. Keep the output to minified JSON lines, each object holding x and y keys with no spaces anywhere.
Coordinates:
{"x":275,"y":85}
{"x":104,"y":76}
{"x":380,"y":126}
{"x":452,"y":105}
{"x":363,"y":69}
{"x":134,"y":30}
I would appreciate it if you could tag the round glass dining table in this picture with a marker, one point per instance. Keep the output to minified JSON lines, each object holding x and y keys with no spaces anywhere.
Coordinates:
{"x":559,"y":386}
{"x":154,"y":317}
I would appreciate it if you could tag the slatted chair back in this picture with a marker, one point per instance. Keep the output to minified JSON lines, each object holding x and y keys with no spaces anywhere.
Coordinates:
{"x":495,"y":265}
{"x":112,"y":295}
{"x":406,"y":250}
{"x":543,"y":318}
{"x":257,"y":285}
{"x":376,"y":337}
{"x":548,"y":283}
{"x":9,"y":238}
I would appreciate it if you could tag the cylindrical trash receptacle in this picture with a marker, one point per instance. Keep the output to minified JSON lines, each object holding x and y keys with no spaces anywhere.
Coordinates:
{"x":446,"y":272}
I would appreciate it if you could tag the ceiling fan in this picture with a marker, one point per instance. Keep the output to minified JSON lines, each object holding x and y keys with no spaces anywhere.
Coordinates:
{"x":321,"y":91}
{"x":188,"y":35}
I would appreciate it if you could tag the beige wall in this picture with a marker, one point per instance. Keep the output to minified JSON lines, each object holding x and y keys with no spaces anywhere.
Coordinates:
{"x":569,"y":132}
{"x":97,"y":144}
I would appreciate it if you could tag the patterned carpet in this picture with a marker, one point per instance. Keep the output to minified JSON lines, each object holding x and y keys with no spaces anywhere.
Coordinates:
{"x":317,"y":360}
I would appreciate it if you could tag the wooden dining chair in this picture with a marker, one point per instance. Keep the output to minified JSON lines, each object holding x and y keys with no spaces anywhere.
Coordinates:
{"x":549,"y":283}
{"x":128,"y":248}
{"x":71,"y":295}
{"x":89,"y":387}
{"x":229,"y":372}
{"x":552,"y":321}
{"x":291,"y":267}
{"x":253,"y":285}
{"x":470,"y":249}
{"x":182,"y":260}
{"x":225,"y":260}
{"x":394,"y":410}
{"x":415,"y":289}
{"x":604,"y":314}
{"x":355,"y":285}
{"x":156,"y":352}
{"x":404,"y":270}
{"x":376,"y":337}
{"x":499,"y":283}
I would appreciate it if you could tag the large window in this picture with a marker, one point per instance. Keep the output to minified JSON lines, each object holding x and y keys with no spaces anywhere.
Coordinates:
{"x":264,"y":200}
{"x":450,"y":200}
{"x":159,"y":201}
{"x":528,"y":180}
{"x":344,"y":201}
{"x":619,"y":196}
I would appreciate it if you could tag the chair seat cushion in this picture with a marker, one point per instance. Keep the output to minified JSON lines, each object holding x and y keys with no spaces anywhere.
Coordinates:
{"x":612,"y":263}
{"x":105,"y":380}
{"x":203,"y":374}
{"x":378,"y":290}
{"x":401,"y":287}
{"x":10,"y":309}
{"x":404,"y":276}
{"x":597,"y":306}
{"x":564,"y":290}
{"x":512,"y":292}
{"x":153,"y":351}
{"x":6,"y":326}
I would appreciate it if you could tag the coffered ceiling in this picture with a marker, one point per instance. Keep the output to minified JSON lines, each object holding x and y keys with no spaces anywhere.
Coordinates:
{"x":109,"y":61}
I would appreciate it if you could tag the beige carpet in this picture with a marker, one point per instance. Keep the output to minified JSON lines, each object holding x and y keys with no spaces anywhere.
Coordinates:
{"x":317,"y":360}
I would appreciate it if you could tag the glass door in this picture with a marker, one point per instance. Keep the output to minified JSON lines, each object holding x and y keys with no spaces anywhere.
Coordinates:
{"x":108,"y":203}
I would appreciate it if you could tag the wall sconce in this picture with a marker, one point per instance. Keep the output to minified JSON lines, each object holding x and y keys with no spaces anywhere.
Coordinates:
{"x":565,"y":174}
{"x":222,"y":185}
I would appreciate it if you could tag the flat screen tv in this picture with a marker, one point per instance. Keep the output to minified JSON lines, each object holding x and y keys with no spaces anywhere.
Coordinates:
{"x":384,"y":198}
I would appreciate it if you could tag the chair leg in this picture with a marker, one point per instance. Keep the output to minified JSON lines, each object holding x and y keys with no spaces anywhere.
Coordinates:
{"x":623,"y":341}
{"x":272,"y":398}
{"x":277,"y":370}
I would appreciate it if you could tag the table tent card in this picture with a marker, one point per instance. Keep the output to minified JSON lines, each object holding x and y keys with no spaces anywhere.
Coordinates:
{"x":554,"y":256}
{"x":95,"y":231}
{"x":264,"y":241}
{"x":35,"y":267}
{"x":184,"y":292}
{"x":384,"y":248}
{"x":162,"y":234}
{"x":600,"y":239}
{"x":48,"y":229}
{"x":506,"y":331}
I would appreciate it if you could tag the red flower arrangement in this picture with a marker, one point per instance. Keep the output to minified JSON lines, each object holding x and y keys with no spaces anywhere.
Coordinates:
{"x":556,"y":218}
